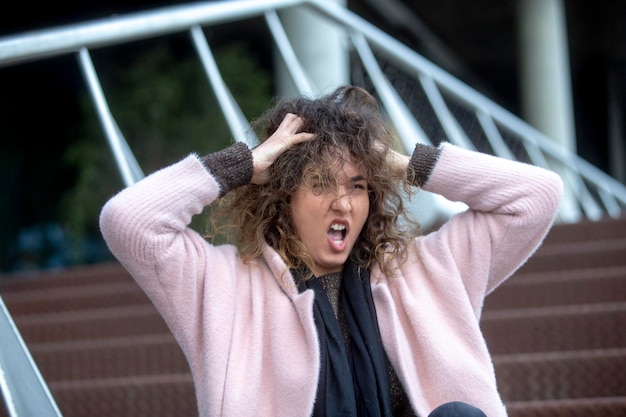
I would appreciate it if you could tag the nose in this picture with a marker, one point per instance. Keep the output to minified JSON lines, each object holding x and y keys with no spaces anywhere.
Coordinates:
{"x":341,"y":202}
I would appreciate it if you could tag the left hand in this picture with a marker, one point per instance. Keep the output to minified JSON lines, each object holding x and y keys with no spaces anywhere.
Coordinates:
{"x":286,"y":135}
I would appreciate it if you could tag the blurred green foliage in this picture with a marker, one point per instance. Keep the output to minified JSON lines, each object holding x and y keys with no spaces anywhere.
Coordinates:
{"x":165,"y":108}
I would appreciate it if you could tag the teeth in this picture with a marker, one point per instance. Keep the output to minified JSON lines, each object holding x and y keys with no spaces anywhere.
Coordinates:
{"x":338,"y":227}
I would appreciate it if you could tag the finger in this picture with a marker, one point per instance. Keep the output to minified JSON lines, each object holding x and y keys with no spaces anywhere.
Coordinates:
{"x":292,"y":122}
{"x":302,"y":137}
{"x":288,"y":132}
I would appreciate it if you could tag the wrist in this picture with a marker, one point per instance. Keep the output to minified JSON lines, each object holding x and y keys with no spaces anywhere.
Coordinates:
{"x":421,"y":164}
{"x":231,"y":167}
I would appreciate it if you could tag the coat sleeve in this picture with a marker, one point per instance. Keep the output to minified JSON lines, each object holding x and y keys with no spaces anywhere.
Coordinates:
{"x":146,"y":228}
{"x":512,"y":206}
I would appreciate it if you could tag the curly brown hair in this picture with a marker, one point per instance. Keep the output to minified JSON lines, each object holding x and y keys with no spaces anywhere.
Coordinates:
{"x":347,"y":121}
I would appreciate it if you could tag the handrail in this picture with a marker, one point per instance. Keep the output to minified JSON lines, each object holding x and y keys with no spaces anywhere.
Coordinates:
{"x":595,"y":193}
{"x":71,"y":38}
{"x":135,"y":26}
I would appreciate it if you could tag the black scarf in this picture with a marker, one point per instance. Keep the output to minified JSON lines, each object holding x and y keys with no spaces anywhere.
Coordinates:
{"x":355,"y":386}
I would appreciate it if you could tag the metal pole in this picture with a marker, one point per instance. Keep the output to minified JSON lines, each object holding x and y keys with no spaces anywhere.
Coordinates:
{"x":24,"y":390}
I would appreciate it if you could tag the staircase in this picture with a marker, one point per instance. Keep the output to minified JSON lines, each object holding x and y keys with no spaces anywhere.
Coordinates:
{"x":100,"y":344}
{"x":557,"y":330}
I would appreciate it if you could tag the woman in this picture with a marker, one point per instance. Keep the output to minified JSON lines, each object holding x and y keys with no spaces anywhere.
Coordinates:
{"x":329,"y":304}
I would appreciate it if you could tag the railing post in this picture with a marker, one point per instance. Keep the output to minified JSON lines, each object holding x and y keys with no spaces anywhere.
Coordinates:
{"x":126,"y":162}
{"x":236,"y":120}
{"x":24,"y":390}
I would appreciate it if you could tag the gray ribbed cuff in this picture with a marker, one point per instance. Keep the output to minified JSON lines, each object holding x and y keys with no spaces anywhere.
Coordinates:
{"x":231,"y":167}
{"x":422,"y":163}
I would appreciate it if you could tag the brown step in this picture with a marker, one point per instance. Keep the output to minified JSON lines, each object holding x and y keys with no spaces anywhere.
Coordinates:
{"x":95,"y":324}
{"x":544,"y":329}
{"x":109,"y":358}
{"x":78,"y":275}
{"x":542,"y":289}
{"x":561,"y":375}
{"x":579,"y":407}
{"x":587,"y":230}
{"x":75,"y":298}
{"x":164,"y":395}
{"x":578,"y":255}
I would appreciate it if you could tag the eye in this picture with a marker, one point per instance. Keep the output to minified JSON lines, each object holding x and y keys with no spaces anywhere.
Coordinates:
{"x":316,"y":187}
{"x":359,"y":186}
{"x":314,"y":183}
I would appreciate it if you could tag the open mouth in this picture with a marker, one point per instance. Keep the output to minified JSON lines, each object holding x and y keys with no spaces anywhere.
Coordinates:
{"x":337,"y":233}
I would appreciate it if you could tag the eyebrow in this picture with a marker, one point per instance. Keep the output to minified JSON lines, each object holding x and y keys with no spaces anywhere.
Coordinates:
{"x":358,"y":178}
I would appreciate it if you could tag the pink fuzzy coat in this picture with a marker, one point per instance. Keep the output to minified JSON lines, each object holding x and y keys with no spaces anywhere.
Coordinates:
{"x":249,"y":336}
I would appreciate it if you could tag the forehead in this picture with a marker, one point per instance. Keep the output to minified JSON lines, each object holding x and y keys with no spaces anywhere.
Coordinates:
{"x":349,"y":171}
{"x":340,"y":167}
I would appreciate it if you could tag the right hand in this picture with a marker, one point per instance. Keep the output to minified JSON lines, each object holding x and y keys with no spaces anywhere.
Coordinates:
{"x":286,"y":135}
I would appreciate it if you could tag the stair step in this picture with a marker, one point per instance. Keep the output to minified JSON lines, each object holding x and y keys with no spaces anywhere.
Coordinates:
{"x":144,"y":396}
{"x":579,"y":407}
{"x":96,"y":324}
{"x":77,"y":275}
{"x":542,"y":289}
{"x":587,"y":230}
{"x":110,"y":358}
{"x":75,"y":298}
{"x":544,"y":329}
{"x":577,"y":255}
{"x":561,"y":375}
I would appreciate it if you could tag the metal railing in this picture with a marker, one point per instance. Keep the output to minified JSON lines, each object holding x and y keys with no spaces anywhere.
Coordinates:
{"x":595,"y":193}
{"x":494,"y":129}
